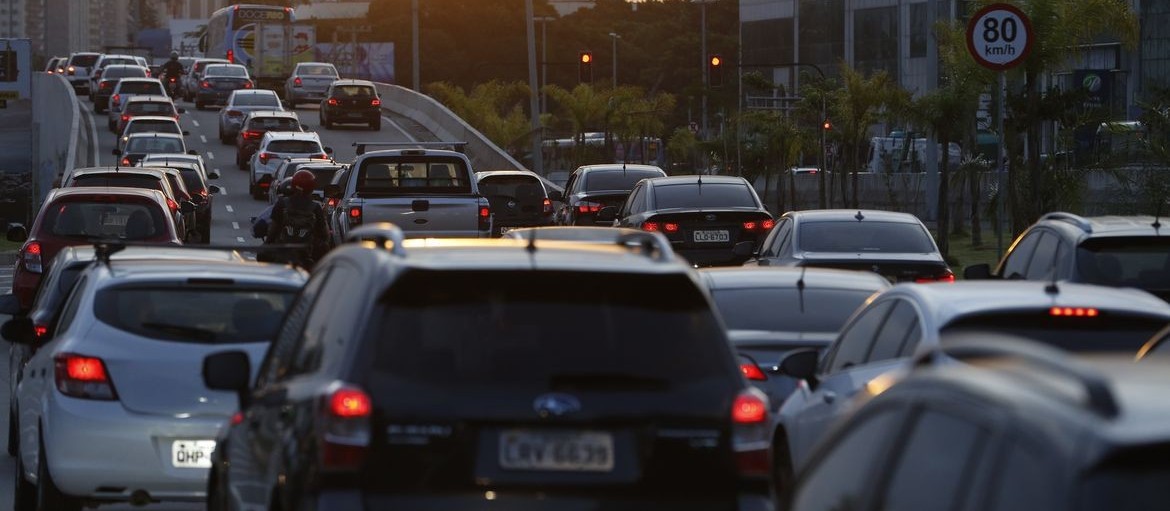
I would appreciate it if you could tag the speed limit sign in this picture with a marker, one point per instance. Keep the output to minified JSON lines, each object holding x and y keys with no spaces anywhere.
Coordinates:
{"x":999,"y":36}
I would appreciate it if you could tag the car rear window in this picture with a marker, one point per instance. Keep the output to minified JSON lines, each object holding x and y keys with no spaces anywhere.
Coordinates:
{"x":194,"y":314}
{"x":294,"y":147}
{"x":149,"y":108}
{"x":131,"y":219}
{"x":709,"y":195}
{"x":403,"y":175}
{"x":854,"y":236}
{"x":353,"y":91}
{"x":256,"y":100}
{"x":503,"y":328}
{"x":787,"y":310}
{"x":191,"y":180}
{"x":151,"y":127}
{"x":226,"y":71}
{"x":273,"y":124}
{"x":151,"y":88}
{"x":1142,"y":262}
{"x":84,"y":60}
{"x":154,"y":145}
{"x":123,"y":72}
{"x":127,"y":180}
{"x":319,"y":70}
{"x":1106,"y":331}
{"x":600,"y":180}
{"x":516,"y":187}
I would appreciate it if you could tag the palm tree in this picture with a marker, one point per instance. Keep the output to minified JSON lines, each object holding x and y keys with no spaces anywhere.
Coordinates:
{"x":862,"y":103}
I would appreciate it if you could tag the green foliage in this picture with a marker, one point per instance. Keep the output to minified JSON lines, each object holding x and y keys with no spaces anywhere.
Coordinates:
{"x":495,"y":108}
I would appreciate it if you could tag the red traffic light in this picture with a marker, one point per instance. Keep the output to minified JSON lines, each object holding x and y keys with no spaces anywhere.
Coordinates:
{"x":828,"y":125}
{"x":586,"y":57}
{"x":716,"y":61}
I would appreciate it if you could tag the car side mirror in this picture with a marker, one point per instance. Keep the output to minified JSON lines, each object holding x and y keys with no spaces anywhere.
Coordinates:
{"x":228,"y":370}
{"x":185,"y":132}
{"x":744,"y":249}
{"x":19,"y":330}
{"x":214,"y":189}
{"x":116,"y":152}
{"x":332,"y":191}
{"x":17,"y":233}
{"x":193,"y":152}
{"x":182,"y":111}
{"x":801,"y":364}
{"x":980,"y":271}
{"x":328,"y":150}
{"x":213,"y":175}
{"x":9,"y":305}
{"x":607,"y":214}
{"x":187,"y":207}
{"x":555,"y":196}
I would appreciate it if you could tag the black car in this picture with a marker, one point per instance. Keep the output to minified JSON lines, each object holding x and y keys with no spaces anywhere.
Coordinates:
{"x":110,"y":76}
{"x":218,"y":82}
{"x":1017,"y":427}
{"x":710,"y":220}
{"x":1119,"y":251}
{"x":593,"y":187}
{"x":351,"y":102}
{"x":425,"y":377}
{"x":895,"y":245}
{"x":518,"y":199}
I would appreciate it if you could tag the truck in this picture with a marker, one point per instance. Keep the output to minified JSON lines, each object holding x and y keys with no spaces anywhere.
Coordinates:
{"x":263,"y":38}
{"x":894,"y":154}
{"x":277,"y":51}
{"x":426,"y":188}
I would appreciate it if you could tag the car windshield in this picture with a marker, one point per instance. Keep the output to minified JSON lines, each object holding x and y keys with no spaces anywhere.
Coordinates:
{"x":202,"y":315}
{"x":149,"y":108}
{"x":316,"y":70}
{"x":152,"y":126}
{"x":226,"y":71}
{"x":788,"y":310}
{"x":1141,"y":262}
{"x":353,"y":91}
{"x":867,"y":236}
{"x":710,"y":195}
{"x":109,"y":218}
{"x":144,"y":87}
{"x":502,"y":328}
{"x":294,"y":147}
{"x":616,"y":180}
{"x":403,"y":175}
{"x":114,"y":61}
{"x":154,"y":145}
{"x":1104,"y":331}
{"x":265,"y":100}
{"x":125,"y":179}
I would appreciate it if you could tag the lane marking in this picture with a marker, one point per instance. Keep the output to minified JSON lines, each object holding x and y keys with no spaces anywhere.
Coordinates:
{"x":210,"y":155}
{"x":223,"y":190}
{"x":93,"y":142}
{"x":196,"y":123}
{"x":240,"y":239}
{"x":229,"y":208}
{"x":236,"y":225}
{"x":203,"y":138}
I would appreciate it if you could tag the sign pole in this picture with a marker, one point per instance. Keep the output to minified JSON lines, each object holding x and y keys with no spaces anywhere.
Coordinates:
{"x":1001,"y":157}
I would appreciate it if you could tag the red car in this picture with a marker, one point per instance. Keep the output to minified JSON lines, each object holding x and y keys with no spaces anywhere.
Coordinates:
{"x":81,"y":216}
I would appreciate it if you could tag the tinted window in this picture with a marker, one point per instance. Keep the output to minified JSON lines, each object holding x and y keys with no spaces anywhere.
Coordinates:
{"x":1017,"y":259}
{"x":1025,"y":482}
{"x":1044,"y":260}
{"x":126,"y":180}
{"x":703,"y":196}
{"x":853,"y":345}
{"x":1142,"y":262}
{"x":90,"y":220}
{"x":154,"y":145}
{"x":226,"y":71}
{"x":854,"y":236}
{"x":616,"y":180}
{"x":898,"y":326}
{"x":924,"y":479}
{"x":459,"y":328}
{"x":151,"y":88}
{"x":401,"y":175}
{"x":269,"y":100}
{"x":83,"y":60}
{"x":152,"y":126}
{"x":517,"y":187}
{"x":273,"y":124}
{"x":123,"y":72}
{"x":353,"y":91}
{"x":149,"y":108}
{"x":839,"y":479}
{"x":294,"y":147}
{"x":786,"y":310}
{"x":1131,"y":480}
{"x":1108,"y":331}
{"x":193,"y":314}
{"x":318,"y":70}
{"x":279,"y":357}
{"x":191,"y":180}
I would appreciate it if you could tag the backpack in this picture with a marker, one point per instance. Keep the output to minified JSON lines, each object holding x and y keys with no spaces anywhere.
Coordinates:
{"x":299,"y":224}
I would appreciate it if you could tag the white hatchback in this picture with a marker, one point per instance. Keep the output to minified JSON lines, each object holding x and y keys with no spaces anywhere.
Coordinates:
{"x":275,"y":147}
{"x":127,"y":88}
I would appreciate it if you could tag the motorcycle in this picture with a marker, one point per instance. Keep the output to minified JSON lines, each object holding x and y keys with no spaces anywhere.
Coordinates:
{"x":172,"y":86}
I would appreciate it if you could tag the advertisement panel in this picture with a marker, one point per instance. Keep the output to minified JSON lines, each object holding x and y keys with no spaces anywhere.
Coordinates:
{"x":369,"y":61}
{"x":15,"y":69}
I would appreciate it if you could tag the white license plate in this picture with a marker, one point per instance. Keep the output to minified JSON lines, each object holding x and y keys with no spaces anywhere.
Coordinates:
{"x":712,"y":236}
{"x":583,"y":451}
{"x":192,"y":453}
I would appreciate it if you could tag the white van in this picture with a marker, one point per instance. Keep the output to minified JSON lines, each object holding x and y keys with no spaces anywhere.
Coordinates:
{"x":891,"y":154}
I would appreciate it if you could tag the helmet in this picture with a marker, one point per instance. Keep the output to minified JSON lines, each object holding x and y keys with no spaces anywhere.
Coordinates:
{"x":305,"y":181}
{"x":285,"y":188}
{"x":174,"y":55}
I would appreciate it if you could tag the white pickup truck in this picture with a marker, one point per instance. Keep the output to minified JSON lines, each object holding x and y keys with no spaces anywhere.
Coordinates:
{"x":428,"y":192}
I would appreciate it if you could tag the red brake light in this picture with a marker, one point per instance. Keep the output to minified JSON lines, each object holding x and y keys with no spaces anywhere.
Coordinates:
{"x":205,"y":84}
{"x":546,"y":206}
{"x":31,"y":257}
{"x":264,"y":158}
{"x":40,"y":330}
{"x":332,"y":203}
{"x":752,"y":371}
{"x":1080,"y":312}
{"x":104,"y":85}
{"x":332,"y":102}
{"x":248,"y":84}
{"x":125,"y":117}
{"x":251,"y":134}
{"x":375,"y":102}
{"x":345,"y":433}
{"x":83,"y":377}
{"x":651,"y":226}
{"x":235,"y":113}
{"x":297,"y":82}
{"x":116,"y":98}
{"x":350,"y":403}
{"x":948,"y":277}
{"x":670,"y":227}
{"x":174,"y":206}
{"x":586,"y":207}
{"x":750,"y":226}
{"x":768,"y":224}
{"x":33,"y":248}
{"x":749,"y":409}
{"x":355,"y":215}
{"x":231,"y":54}
{"x":125,"y":162}
{"x":237,"y":418}
{"x":751,"y":433}
{"x":484,"y":211}
{"x":85,"y":368}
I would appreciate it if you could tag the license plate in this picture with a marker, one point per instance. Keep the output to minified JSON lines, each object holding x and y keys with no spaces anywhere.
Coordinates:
{"x":192,"y":453}
{"x":355,"y":115}
{"x":712,"y":236}
{"x":582,"y":451}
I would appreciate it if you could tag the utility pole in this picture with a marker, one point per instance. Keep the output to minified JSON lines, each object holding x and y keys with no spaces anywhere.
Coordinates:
{"x":615,"y":38}
{"x":414,"y":45}
{"x":533,"y":107}
{"x":544,"y":61}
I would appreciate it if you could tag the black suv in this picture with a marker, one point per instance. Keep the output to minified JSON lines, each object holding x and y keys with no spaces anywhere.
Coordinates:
{"x":1019,"y":427}
{"x":1118,"y":251}
{"x":351,"y":101}
{"x":446,"y":376}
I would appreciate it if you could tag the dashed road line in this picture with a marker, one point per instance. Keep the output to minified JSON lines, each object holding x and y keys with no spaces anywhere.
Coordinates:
{"x":210,"y":155}
{"x":400,"y":128}
{"x":240,"y":239}
{"x":195,"y":123}
{"x":203,"y":138}
{"x":229,"y":208}
{"x":236,"y":225}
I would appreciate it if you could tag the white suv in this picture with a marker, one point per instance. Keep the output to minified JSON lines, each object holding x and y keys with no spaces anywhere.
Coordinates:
{"x":277,"y":146}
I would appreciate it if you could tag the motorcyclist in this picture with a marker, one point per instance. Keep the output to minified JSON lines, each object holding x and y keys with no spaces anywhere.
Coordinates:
{"x":299,"y":220}
{"x":261,"y":222}
{"x":172,"y":68}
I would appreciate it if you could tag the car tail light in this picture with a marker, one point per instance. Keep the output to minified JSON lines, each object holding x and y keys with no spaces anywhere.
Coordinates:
{"x":104,"y":85}
{"x":205,"y":84}
{"x":750,"y":433}
{"x":237,"y":418}
{"x":148,"y":73}
{"x":249,"y":135}
{"x":332,"y":102}
{"x":235,"y":113}
{"x":546,"y":207}
{"x":670,"y":227}
{"x":1079,"y":312}
{"x":125,"y":162}
{"x":651,"y":226}
{"x":116,"y":98}
{"x":354,"y":215}
{"x":264,"y":158}
{"x":320,"y":156}
{"x":125,"y":117}
{"x":265,"y":184}
{"x":40,"y":330}
{"x":171,"y":204}
{"x":375,"y":102}
{"x":332,"y":202}
{"x":485,"y":217}
{"x":345,"y":432}
{"x":297,"y":82}
{"x":248,"y":84}
{"x":83,"y":377}
{"x":752,"y":372}
{"x":751,"y":226}
{"x":588,"y":208}
{"x":30,"y":257}
{"x":768,"y":224}
{"x":948,"y":277}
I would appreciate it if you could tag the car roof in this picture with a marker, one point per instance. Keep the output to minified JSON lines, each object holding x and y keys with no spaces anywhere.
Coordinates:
{"x":212,"y":60}
{"x":113,"y":170}
{"x":837,"y":215}
{"x":350,"y":81}
{"x":109,"y":66}
{"x":491,"y":173}
{"x":172,"y":270}
{"x":1104,"y":226}
{"x":156,"y":134}
{"x":252,"y":92}
{"x":299,"y":64}
{"x":58,"y":193}
{"x":118,"y":56}
{"x":292,"y":135}
{"x":787,"y":277}
{"x":226,"y":64}
{"x":272,"y":113}
{"x":170,"y":165}
{"x":87,"y":253}
{"x":149,"y":98}
{"x":139,"y":79}
{"x":155,"y":118}
{"x":694,"y":180}
{"x":575,"y":233}
{"x":619,"y":167}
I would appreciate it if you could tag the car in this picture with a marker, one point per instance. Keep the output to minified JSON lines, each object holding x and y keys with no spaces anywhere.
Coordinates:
{"x":592,"y":187}
{"x":351,"y":101}
{"x":255,"y":124}
{"x":239,"y":104}
{"x":711,"y":220}
{"x":125,"y":417}
{"x":104,"y":88}
{"x":895,"y":245}
{"x":389,"y":325}
{"x":79,"y":216}
{"x":309,"y":82}
{"x":770,"y":312}
{"x":156,"y":106}
{"x":77,"y":70}
{"x":803,"y":171}
{"x":518,"y":199}
{"x":107,"y":60}
{"x":202,"y":194}
{"x":190,"y":205}
{"x":323,"y":170}
{"x":139,"y":145}
{"x":276,"y":146}
{"x":217,"y":83}
{"x":178,"y":201}
{"x":151,"y":124}
{"x":194,"y":75}
{"x":166,"y":158}
{"x":55,"y":65}
{"x":37,"y":325}
{"x":126,"y":89}
{"x":1126,"y":251}
{"x":881,"y":337}
{"x":1017,"y":426}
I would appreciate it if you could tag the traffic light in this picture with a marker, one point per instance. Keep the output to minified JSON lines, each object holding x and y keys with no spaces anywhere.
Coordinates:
{"x":715,"y":71}
{"x":585,"y":67}
{"x":828,"y":125}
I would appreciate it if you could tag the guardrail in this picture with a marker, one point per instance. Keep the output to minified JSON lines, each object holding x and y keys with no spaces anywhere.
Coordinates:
{"x":55,"y":112}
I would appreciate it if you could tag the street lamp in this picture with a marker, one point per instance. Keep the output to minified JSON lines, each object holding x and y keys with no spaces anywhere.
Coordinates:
{"x":543,"y":20}
{"x":615,"y":38}
{"x":703,"y":60}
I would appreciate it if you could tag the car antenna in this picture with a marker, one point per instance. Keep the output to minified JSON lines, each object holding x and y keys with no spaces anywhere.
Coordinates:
{"x":1157,"y":215}
{"x":859,"y":216}
{"x":531,"y":248}
{"x":800,"y":287}
{"x":1052,"y":288}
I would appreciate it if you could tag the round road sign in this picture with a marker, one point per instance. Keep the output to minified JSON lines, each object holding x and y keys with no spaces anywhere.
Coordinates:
{"x":999,"y":36}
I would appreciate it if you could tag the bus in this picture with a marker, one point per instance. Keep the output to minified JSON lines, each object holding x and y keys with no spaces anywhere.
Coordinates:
{"x":263,"y":38}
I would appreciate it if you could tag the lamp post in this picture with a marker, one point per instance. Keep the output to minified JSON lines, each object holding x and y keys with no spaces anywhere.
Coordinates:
{"x":543,"y":20}
{"x":533,"y":107}
{"x":414,"y":44}
{"x":615,"y":37}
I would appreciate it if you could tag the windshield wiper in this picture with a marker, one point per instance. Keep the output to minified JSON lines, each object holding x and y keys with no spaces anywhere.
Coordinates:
{"x":606,"y":381}
{"x":189,"y":332}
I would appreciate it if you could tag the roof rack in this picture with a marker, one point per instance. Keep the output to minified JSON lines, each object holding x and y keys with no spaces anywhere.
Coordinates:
{"x":1071,"y":218}
{"x":1100,"y":397}
{"x":654,"y":245}
{"x":380,"y":233}
{"x":453,"y":146}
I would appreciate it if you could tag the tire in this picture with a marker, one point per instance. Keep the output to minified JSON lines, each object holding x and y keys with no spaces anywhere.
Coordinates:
{"x":112,"y":126}
{"x":49,"y":497}
{"x":205,"y":235}
{"x":241,"y":164}
{"x":216,"y":499}
{"x":783,"y":477}
{"x":24,"y":493}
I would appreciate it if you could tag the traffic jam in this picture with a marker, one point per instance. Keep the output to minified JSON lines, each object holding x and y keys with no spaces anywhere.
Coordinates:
{"x":393,"y":328}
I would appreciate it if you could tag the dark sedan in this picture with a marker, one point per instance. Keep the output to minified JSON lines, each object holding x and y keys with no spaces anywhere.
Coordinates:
{"x":219,"y":80}
{"x":593,"y":187}
{"x":351,"y":101}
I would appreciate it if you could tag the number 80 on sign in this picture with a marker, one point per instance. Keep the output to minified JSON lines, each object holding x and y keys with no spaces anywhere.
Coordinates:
{"x":999,"y":36}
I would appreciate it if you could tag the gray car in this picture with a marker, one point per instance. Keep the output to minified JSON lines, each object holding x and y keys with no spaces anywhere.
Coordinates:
{"x":239,"y":103}
{"x":309,"y":82}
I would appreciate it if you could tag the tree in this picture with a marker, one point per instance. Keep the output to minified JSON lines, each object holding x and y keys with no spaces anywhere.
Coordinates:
{"x":861,"y":103}
{"x":495,"y":108}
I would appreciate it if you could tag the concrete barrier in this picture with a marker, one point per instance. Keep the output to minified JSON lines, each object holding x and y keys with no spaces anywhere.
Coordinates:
{"x":447,"y":126}
{"x":56,"y":131}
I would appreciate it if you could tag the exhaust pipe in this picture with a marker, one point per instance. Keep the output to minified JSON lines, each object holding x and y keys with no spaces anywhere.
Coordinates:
{"x":139,"y":498}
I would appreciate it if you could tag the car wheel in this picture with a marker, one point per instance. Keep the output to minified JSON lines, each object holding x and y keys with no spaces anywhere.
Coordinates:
{"x":49,"y":497}
{"x":241,"y":164}
{"x":205,"y":235}
{"x":24,"y":493}
{"x":783,"y":477}
{"x":111,"y":125}
{"x":215,"y":498}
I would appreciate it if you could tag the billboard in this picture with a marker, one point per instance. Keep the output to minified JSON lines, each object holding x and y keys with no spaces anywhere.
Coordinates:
{"x":370,"y":61}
